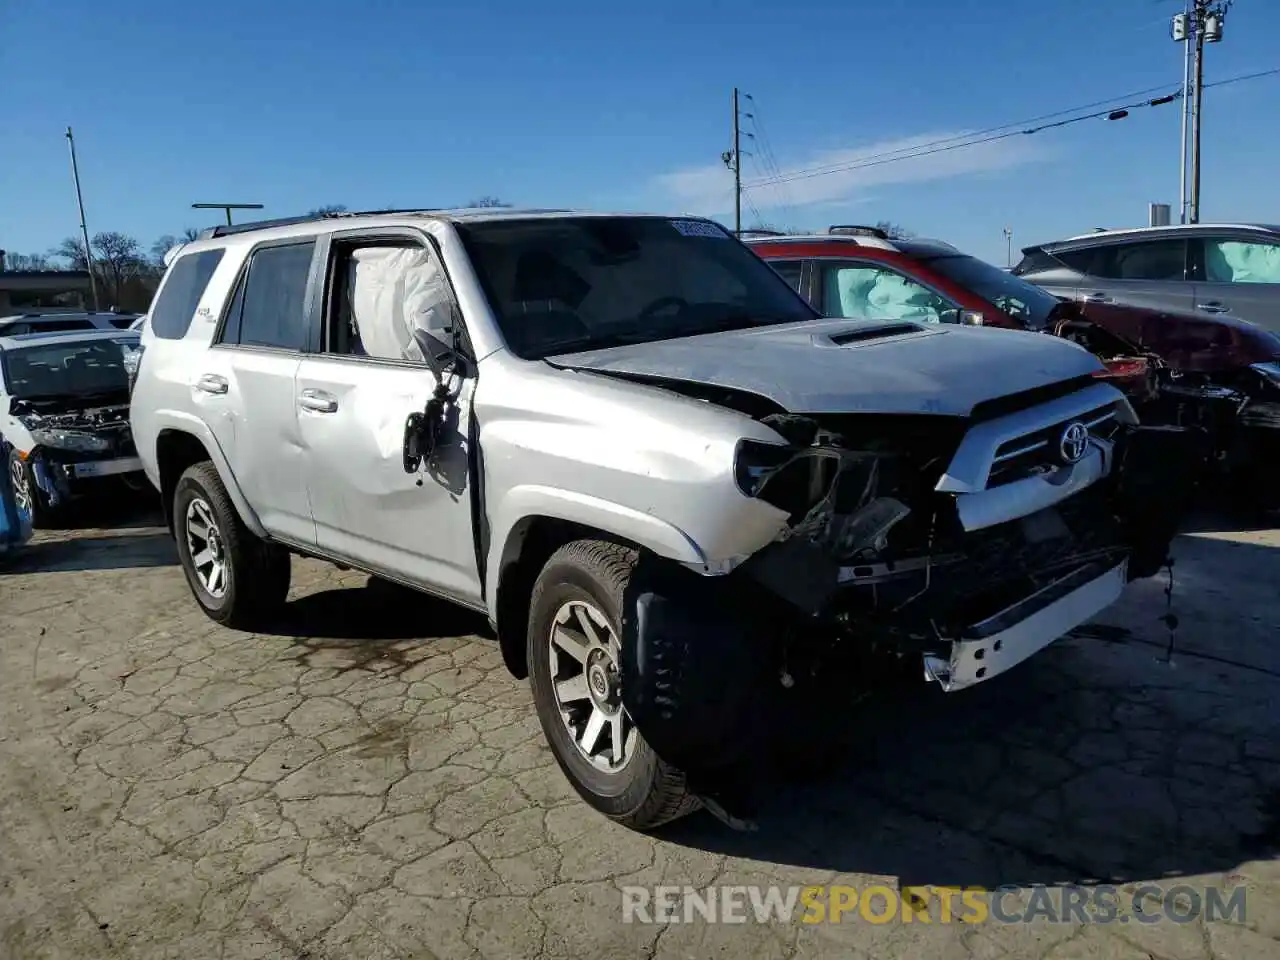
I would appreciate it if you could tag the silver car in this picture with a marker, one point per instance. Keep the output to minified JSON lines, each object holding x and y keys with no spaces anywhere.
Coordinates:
{"x":1212,"y":268}
{"x":672,"y":488}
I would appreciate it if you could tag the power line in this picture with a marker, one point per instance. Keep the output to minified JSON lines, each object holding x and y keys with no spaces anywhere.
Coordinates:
{"x":1002,"y":132}
{"x":767,"y":160}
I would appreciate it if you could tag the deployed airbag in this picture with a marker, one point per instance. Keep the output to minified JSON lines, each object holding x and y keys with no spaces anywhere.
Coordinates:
{"x":395,"y":291}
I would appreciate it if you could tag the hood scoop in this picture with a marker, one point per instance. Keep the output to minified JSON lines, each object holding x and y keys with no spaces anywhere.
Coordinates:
{"x":868,"y":332}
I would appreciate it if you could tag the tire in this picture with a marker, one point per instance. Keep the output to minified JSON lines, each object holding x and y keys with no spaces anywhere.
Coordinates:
{"x":25,"y":491}
{"x":589,"y":578}
{"x":255,"y":574}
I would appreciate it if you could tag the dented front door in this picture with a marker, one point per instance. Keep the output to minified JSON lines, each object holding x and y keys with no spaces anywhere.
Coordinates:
{"x":367,"y":509}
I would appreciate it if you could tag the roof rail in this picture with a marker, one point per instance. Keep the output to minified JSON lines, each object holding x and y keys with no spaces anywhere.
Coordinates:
{"x":226,"y":230}
{"x":853,"y":230}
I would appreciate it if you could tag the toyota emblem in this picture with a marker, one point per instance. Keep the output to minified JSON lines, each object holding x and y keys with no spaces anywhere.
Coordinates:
{"x":1073,"y":443}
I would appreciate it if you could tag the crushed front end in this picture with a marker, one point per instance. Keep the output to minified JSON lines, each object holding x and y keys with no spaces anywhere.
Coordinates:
{"x":930,"y":547}
{"x":74,"y":448}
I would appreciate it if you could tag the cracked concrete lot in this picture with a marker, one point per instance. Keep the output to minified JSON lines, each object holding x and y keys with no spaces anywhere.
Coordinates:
{"x":368,"y":782}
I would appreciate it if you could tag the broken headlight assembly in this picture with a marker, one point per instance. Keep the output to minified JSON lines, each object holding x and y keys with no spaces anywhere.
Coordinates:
{"x":75,"y":441}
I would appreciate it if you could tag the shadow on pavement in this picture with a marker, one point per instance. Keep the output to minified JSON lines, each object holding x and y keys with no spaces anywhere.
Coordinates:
{"x":1095,"y":761}
{"x":117,"y":552}
{"x":357,"y":617}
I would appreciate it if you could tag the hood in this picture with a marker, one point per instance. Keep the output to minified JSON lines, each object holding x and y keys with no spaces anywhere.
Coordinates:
{"x":1185,"y":341}
{"x":854,"y":366}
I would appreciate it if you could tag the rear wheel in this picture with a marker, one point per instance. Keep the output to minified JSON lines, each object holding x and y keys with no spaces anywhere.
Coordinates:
{"x":575,"y":669}
{"x":237,"y":578}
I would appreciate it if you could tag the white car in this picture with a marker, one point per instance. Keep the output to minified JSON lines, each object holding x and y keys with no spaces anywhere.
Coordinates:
{"x":671,"y":486}
{"x":64,"y":415}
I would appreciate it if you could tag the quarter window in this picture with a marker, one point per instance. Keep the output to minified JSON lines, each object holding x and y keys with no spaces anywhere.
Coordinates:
{"x":175,"y":308}
{"x":790,"y":271}
{"x":1239,"y":261}
{"x":864,"y":292}
{"x":269,"y":305}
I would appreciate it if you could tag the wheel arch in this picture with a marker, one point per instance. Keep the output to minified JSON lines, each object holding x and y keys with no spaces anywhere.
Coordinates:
{"x":179,"y":446}
{"x":540,"y":525}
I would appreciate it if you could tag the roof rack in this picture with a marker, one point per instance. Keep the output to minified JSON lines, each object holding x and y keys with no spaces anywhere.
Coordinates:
{"x":226,"y":230}
{"x":854,"y":230}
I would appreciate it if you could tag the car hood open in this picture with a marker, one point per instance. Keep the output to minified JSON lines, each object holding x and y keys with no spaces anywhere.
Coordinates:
{"x":844,"y":366}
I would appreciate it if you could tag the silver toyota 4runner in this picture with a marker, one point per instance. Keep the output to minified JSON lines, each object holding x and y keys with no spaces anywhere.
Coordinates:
{"x":670,"y":486}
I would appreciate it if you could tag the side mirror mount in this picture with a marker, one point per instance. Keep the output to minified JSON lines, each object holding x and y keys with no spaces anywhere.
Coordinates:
{"x":437,"y":354}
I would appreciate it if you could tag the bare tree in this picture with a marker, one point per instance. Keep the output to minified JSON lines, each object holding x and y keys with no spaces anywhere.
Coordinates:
{"x":117,"y":260}
{"x":488,"y":202}
{"x":72,"y":251}
{"x":27,"y":261}
{"x":191,"y":233}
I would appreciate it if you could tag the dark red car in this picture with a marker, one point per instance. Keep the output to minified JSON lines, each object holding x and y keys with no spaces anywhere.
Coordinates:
{"x":1186,"y":369}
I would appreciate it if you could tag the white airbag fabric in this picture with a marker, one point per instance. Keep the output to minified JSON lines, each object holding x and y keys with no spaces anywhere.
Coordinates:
{"x":395,"y":291}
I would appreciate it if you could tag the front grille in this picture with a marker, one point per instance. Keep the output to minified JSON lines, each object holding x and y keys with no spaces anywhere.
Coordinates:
{"x":1037,"y":452}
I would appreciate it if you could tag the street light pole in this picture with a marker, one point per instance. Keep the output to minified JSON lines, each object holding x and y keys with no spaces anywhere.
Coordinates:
{"x":84,"y":230}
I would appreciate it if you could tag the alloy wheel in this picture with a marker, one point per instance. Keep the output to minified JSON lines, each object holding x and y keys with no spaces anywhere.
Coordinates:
{"x":206,"y":548}
{"x":585,"y":658}
{"x":21,"y":483}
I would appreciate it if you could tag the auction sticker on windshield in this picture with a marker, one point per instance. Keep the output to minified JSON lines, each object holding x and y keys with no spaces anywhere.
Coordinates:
{"x":699,"y":228}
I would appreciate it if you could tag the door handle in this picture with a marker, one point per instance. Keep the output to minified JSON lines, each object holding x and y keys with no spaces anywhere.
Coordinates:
{"x":1096,"y":298}
{"x":1213,"y":306}
{"x":317,"y":400}
{"x":212,"y":383}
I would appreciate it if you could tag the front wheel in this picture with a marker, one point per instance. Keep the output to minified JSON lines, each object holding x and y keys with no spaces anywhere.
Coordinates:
{"x":26,"y":494}
{"x":575,"y":670}
{"x":237,"y":578}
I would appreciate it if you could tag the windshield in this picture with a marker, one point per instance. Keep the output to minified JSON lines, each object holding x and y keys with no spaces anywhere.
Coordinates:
{"x":580,"y":283}
{"x":1013,"y":295}
{"x":67,"y":368}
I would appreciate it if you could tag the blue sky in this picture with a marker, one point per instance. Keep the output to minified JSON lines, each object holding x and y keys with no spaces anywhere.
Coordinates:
{"x":378,"y":103}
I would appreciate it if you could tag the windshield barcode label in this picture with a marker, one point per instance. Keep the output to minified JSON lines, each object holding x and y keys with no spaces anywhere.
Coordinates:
{"x":699,"y":228}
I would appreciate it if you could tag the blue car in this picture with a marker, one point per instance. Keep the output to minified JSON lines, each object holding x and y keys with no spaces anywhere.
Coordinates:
{"x":15,"y":521}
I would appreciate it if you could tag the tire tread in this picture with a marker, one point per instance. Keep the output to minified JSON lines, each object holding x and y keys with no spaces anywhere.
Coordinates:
{"x":612,"y":565}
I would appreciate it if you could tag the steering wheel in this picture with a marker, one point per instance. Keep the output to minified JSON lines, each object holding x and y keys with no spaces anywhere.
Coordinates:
{"x":662,"y":303}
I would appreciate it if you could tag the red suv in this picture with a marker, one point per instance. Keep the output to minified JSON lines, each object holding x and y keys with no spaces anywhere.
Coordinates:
{"x":860,"y":273}
{"x":1221,"y":374}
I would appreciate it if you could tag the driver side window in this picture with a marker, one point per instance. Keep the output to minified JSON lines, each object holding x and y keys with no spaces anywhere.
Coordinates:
{"x":381,"y":292}
{"x":867,"y":292}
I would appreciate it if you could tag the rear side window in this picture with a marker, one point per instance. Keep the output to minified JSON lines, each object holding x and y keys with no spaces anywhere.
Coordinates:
{"x":269,"y":306}
{"x":174,"y":309}
{"x":1144,"y":260}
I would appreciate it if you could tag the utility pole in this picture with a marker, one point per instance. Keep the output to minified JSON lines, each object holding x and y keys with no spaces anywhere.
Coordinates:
{"x":737,"y":169}
{"x":1008,"y":247}
{"x":1200,"y":24}
{"x":84,"y":230}
{"x":228,"y":207}
{"x":1180,"y":34}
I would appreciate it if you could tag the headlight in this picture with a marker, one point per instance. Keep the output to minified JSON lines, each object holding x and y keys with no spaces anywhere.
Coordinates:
{"x":1270,"y":371}
{"x":72,"y":440}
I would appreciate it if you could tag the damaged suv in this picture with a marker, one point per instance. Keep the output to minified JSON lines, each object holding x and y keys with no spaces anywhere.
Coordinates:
{"x":64,"y":416}
{"x":668,"y":483}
